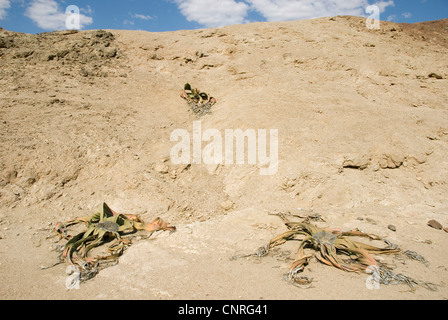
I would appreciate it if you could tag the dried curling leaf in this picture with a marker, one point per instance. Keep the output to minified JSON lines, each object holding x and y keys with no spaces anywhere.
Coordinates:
{"x":330,"y":245}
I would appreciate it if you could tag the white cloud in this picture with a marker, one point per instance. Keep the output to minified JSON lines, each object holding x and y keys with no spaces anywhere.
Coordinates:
{"x":407,"y":15}
{"x":87,"y":10}
{"x":4,"y":5}
{"x":128,"y":22}
{"x":48,"y":16}
{"x":384,"y":4}
{"x":214,"y":13}
{"x":392,"y":17}
{"x":142,"y":16}
{"x":281,"y":10}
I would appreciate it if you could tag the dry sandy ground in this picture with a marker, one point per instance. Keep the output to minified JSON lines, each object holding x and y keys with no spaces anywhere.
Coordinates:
{"x":86,"y":118}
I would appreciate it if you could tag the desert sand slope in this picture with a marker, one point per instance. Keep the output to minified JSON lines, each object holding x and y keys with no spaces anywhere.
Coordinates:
{"x":362,"y":118}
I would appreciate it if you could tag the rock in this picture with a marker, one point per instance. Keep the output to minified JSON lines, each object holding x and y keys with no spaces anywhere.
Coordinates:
{"x":173,"y":174}
{"x":105,"y":35}
{"x":445,"y":229}
{"x":392,"y":161}
{"x":9,"y":175}
{"x":161,"y":168}
{"x":435,"y":75}
{"x":435,"y":224}
{"x":227,"y":205}
{"x":24,"y":54}
{"x":155,"y":56}
{"x":6,"y":43}
{"x":62,"y":54}
{"x":110,"y":52}
{"x":417,"y":159}
{"x":358,"y":162}
{"x":83,"y":72}
{"x":392,"y":227}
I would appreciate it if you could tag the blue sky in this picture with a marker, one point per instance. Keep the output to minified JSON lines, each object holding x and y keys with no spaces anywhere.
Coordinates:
{"x":34,"y":16}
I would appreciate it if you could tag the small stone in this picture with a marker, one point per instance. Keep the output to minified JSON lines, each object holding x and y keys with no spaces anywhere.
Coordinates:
{"x":110,"y":52}
{"x":227,"y":205}
{"x":435,"y":224}
{"x":173,"y":174}
{"x":392,"y":227}
{"x":165,"y":159}
{"x":435,"y":75}
{"x":360,"y":163}
{"x":161,"y":168}
{"x":445,"y":229}
{"x":9,"y":175}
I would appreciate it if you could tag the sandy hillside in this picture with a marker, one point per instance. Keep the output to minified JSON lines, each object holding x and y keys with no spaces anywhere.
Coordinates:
{"x":362,"y":117}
